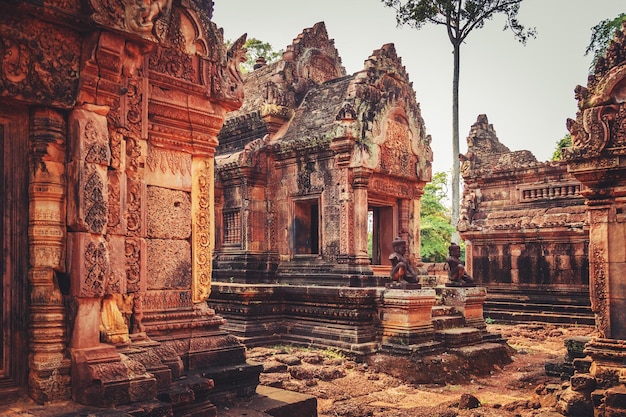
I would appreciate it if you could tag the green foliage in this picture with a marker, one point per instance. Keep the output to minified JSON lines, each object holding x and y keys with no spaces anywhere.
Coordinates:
{"x":601,"y":36}
{"x":459,"y":16}
{"x":257,"y":48}
{"x":489,"y":320}
{"x":435,"y":228}
{"x":566,"y":142}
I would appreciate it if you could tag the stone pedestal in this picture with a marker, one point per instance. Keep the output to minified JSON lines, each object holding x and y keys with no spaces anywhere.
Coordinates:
{"x":406,"y":320}
{"x":468,"y":301}
{"x":104,"y":378}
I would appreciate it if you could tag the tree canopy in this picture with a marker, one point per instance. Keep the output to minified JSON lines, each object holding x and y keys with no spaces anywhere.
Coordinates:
{"x":435,"y":228}
{"x":257,"y":48}
{"x":460,"y":18}
{"x":601,"y":36}
{"x":565,"y":142}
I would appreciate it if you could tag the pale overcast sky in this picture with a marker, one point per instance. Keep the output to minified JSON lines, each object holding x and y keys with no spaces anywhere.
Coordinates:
{"x":527,"y":92}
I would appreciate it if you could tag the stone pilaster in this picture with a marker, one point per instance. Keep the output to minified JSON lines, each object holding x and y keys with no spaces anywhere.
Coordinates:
{"x":100,"y":375}
{"x":49,"y":367}
{"x":203,"y":231}
{"x":599,"y":278}
{"x":360,"y":183}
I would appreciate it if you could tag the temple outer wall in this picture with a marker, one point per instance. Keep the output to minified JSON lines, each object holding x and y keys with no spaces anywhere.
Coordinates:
{"x":526,"y":232}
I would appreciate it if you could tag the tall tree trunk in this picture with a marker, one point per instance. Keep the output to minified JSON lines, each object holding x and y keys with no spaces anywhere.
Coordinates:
{"x":455,"y":141}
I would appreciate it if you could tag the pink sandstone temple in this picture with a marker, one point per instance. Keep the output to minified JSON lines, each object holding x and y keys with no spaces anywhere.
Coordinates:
{"x":161,"y":212}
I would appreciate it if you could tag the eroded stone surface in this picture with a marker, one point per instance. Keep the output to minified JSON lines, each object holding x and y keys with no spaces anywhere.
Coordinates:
{"x":168,"y":264}
{"x":169,"y":213}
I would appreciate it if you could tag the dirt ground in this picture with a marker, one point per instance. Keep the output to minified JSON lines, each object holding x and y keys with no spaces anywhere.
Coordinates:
{"x":438,"y":386}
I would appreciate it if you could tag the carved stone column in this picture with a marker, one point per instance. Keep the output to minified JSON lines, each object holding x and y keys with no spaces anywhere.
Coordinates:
{"x":49,"y":367}
{"x":359,"y":184}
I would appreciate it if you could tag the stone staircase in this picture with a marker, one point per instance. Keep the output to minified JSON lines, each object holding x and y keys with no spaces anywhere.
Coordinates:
{"x":450,"y":327}
{"x":514,"y":305}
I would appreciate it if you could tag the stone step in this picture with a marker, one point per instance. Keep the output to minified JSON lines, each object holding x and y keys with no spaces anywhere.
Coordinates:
{"x":441,"y":310}
{"x":447,"y":322}
{"x":533,"y":304}
{"x":459,"y":336}
{"x":515,"y":304}
{"x":275,"y":402}
{"x":514,"y":316}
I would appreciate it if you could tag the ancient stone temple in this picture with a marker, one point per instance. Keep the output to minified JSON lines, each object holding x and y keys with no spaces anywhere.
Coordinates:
{"x":526,"y":232}
{"x":109,"y":116}
{"x":597,"y":159}
{"x":312,"y":163}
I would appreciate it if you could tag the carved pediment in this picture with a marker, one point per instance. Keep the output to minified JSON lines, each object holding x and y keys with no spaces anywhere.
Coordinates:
{"x":147,"y":19}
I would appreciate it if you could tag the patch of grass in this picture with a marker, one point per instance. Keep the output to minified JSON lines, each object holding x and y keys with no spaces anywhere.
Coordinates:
{"x":489,"y":320}
{"x":333,"y":353}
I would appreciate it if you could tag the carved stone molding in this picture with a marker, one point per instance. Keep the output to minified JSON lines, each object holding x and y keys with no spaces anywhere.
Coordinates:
{"x":202,"y":213}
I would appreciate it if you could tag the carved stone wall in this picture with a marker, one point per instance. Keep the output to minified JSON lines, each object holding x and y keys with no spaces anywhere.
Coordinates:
{"x":525,"y":220}
{"x":123,"y":102}
{"x":525,"y":227}
{"x":596,"y":158}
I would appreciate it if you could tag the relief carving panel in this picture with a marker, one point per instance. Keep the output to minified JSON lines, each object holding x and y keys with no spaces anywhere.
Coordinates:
{"x":39,"y":62}
{"x":89,"y":264}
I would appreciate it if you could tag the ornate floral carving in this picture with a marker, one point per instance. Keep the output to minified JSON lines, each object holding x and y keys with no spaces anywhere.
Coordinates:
{"x":133,"y":264}
{"x":599,"y":296}
{"x":202,"y":231}
{"x":38,"y":62}
{"x":95,"y":203}
{"x":134,"y":113}
{"x":96,"y":260}
{"x":134,"y":192}
{"x":115,"y":144}
{"x":96,"y":144}
{"x":178,"y":163}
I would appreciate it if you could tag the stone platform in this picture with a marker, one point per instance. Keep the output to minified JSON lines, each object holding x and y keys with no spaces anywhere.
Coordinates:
{"x":268,"y":402}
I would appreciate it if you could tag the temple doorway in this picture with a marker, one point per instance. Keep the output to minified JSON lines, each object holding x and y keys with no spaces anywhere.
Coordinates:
{"x":14,"y":254}
{"x":380,"y":233}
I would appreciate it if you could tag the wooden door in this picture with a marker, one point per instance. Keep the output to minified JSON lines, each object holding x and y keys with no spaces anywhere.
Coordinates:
{"x":14,"y":255}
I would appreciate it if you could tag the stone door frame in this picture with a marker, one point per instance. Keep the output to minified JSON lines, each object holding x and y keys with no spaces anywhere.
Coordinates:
{"x":14,"y":238}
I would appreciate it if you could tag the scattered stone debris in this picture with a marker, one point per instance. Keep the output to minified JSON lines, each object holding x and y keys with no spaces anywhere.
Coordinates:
{"x":445,"y":385}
